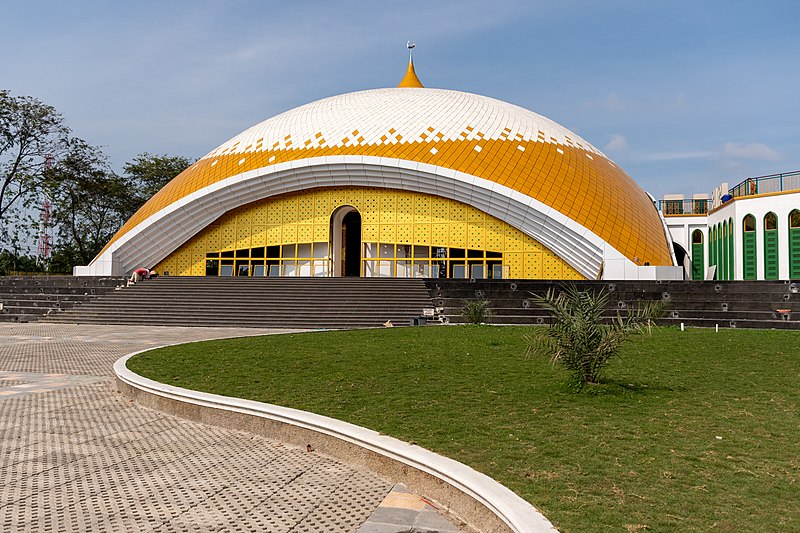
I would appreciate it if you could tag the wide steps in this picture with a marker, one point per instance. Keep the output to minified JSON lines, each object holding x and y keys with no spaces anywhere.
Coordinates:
{"x":28,"y":298}
{"x":704,"y":304}
{"x":257,"y":302}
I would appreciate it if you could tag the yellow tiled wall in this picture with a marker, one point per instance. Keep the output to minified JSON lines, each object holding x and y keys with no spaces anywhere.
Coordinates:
{"x":388,"y":216}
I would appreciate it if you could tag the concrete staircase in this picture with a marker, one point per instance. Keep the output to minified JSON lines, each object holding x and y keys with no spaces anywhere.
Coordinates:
{"x":257,"y":302}
{"x":28,"y":298}
{"x":742,"y":304}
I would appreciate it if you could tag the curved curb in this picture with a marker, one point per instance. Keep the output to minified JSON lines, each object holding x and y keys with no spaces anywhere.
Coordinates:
{"x":482,"y":501}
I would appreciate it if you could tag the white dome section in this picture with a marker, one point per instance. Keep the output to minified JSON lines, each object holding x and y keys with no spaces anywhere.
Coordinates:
{"x":391,"y":116}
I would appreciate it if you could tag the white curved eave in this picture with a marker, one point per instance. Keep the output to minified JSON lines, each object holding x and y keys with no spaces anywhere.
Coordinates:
{"x":163,"y":232}
{"x":516,"y":513}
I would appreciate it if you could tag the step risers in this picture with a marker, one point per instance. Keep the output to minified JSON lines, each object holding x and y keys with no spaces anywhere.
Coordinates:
{"x":257,"y":302}
{"x":702,"y":303}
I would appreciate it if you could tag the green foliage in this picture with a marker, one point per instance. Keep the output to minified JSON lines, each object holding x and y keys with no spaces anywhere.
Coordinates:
{"x":477,"y":311}
{"x":30,"y":133}
{"x":578,"y":338}
{"x":657,"y":447}
{"x":88,"y":199}
{"x":16,"y":262}
{"x":147,"y":174}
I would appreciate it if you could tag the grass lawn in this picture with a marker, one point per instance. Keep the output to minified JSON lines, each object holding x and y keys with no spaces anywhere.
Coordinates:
{"x":691,"y":431}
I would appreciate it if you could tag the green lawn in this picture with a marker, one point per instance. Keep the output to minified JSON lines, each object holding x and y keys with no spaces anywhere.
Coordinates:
{"x":692,"y":431}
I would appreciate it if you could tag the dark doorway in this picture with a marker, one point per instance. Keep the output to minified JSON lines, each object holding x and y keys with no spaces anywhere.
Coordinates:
{"x":351,"y":239}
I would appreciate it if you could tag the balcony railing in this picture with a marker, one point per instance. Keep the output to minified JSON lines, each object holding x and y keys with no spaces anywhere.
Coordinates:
{"x":683,"y":207}
{"x":788,"y":181}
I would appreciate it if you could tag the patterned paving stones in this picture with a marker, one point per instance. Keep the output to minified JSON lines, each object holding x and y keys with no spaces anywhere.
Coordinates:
{"x":77,"y":456}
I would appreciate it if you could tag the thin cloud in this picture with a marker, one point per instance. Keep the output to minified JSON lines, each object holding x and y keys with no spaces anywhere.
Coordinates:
{"x":757,"y":151}
{"x":729,"y":152}
{"x":674,"y":156}
{"x":613,"y":102}
{"x":618,"y":143}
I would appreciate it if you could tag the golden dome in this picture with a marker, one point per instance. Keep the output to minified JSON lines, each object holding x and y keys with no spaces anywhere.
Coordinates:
{"x":567,"y":188}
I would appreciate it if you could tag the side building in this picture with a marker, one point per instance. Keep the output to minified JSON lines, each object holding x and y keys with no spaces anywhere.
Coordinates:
{"x":747,"y":232}
{"x":399,"y":182}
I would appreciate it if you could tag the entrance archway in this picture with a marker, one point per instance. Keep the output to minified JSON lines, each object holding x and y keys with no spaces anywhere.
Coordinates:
{"x":346,"y":241}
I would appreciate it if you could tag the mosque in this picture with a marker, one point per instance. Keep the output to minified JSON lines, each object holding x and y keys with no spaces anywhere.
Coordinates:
{"x":400,"y":182}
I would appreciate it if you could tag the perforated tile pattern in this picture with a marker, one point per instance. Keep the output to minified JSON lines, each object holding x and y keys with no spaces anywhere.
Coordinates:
{"x":84,"y":458}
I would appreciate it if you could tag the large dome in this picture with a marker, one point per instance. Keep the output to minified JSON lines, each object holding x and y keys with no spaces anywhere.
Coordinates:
{"x":519,"y":157}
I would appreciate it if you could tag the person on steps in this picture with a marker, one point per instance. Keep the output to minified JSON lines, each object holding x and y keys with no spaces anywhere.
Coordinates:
{"x":141,"y":273}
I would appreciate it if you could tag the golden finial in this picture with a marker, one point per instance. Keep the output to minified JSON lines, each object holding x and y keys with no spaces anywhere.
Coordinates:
{"x":410,"y":79}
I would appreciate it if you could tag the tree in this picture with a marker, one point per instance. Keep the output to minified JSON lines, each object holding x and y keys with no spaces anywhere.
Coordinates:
{"x":578,"y":339}
{"x":89,"y":200}
{"x":147,"y":174}
{"x":13,"y":261}
{"x":31,"y":135}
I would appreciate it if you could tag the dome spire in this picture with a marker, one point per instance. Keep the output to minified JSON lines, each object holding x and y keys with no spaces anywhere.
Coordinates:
{"x":410,"y":79}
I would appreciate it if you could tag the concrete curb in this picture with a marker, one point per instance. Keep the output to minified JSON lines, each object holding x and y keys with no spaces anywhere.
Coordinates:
{"x":474,"y":497}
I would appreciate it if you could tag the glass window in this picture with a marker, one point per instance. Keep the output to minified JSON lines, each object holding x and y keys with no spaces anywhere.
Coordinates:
{"x":794,"y":219}
{"x":749,"y":223}
{"x":320,"y":250}
{"x":385,"y":269}
{"x":770,"y":221}
{"x":459,"y":271}
{"x":387,"y":250}
{"x":304,"y":250}
{"x":405,"y":269}
{"x":289,"y":250}
{"x":478,"y":271}
{"x":499,"y":271}
{"x":320,"y":268}
{"x":226,"y":270}
{"x":457,"y":252}
{"x":258,"y":270}
{"x":697,"y":237}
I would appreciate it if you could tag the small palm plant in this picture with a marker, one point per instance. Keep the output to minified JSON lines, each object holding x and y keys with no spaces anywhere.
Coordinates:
{"x":476,"y":312}
{"x":578,"y":339}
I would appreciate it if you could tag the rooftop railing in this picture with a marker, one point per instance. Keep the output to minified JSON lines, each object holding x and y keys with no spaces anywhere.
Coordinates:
{"x":684,"y":207}
{"x":788,"y":181}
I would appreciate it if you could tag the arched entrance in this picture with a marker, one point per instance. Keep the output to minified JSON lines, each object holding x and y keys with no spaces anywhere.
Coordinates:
{"x":346,"y":241}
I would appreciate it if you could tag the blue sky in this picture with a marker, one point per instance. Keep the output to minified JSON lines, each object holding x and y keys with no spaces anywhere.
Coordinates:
{"x":683,"y":94}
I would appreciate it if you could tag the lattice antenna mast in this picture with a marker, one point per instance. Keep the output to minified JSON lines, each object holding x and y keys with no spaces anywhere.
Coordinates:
{"x":45,"y":242}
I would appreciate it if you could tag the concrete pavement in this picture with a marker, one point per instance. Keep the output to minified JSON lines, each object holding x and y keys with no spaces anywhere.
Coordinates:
{"x":77,"y":456}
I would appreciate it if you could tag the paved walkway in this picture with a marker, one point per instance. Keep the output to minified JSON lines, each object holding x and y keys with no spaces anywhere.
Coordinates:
{"x":77,"y":456}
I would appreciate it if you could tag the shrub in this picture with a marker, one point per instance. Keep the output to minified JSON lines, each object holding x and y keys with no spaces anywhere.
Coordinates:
{"x":476,"y":311}
{"x":578,"y":339}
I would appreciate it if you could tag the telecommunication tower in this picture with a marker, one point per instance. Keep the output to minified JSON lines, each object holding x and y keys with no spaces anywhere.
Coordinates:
{"x":45,"y":241}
